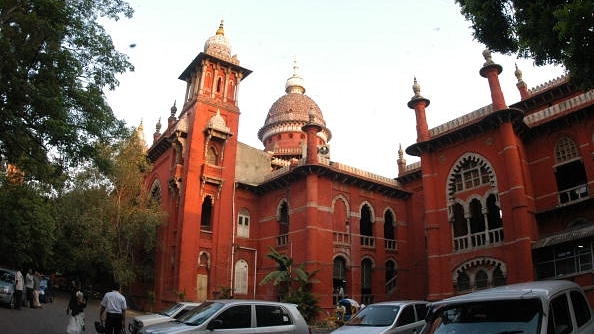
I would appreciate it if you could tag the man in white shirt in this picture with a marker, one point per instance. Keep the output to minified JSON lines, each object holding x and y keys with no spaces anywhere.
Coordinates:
{"x":19,"y":284}
{"x":29,"y":285}
{"x":114,"y":305}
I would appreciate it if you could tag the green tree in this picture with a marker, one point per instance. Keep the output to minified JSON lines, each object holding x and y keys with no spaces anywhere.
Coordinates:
{"x":548,"y":31}
{"x":56,"y":59}
{"x":110,"y":222}
{"x":27,"y":224}
{"x":294,"y":284}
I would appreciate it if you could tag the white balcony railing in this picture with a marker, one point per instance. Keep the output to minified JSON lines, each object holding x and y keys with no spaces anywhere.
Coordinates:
{"x":574,"y":194}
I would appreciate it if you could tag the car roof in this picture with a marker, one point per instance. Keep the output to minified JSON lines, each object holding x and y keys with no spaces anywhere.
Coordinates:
{"x":400,"y":302}
{"x":189,"y":303}
{"x":252,"y":301}
{"x":536,"y":289}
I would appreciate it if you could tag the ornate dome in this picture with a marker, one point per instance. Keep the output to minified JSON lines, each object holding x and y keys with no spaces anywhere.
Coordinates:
{"x":219,"y":45}
{"x":291,"y":111}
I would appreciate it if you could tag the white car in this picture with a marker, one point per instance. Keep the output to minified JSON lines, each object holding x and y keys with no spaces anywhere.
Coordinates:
{"x":390,"y":317}
{"x":172,"y":313}
{"x":542,"y":307}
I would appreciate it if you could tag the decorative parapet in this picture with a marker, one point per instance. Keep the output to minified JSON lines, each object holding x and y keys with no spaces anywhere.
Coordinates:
{"x":413,"y":166}
{"x":461,"y":121}
{"x":560,"y":108}
{"x":549,"y":84}
{"x":366,"y":174}
{"x":337,"y":166}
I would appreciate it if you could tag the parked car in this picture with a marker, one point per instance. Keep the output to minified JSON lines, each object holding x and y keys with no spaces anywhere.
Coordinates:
{"x":7,"y":287}
{"x":542,"y":307}
{"x":407,"y":316}
{"x":174,"y":312}
{"x":236,"y":316}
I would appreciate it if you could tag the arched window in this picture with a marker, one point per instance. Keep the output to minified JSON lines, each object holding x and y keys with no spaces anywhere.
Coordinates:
{"x":463,"y":282}
{"x":481,"y":280}
{"x":366,"y":227}
{"x":389,"y":227}
{"x":366,"y":277}
{"x":283,"y":225}
{"x":243,"y":223}
{"x":479,"y":273}
{"x":391,"y":275}
{"x":219,"y":85}
{"x":211,"y":156}
{"x":206,"y":217}
{"x":241,"y":277}
{"x":474,"y":211}
{"x":570,"y":173}
{"x":498,"y":277}
{"x":156,"y":191}
{"x":284,"y":218}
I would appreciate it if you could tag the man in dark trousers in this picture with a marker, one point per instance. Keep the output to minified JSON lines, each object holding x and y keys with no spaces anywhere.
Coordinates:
{"x":114,"y":305}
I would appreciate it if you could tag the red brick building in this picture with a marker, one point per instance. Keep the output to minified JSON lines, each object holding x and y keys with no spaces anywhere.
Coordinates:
{"x":500,"y":195}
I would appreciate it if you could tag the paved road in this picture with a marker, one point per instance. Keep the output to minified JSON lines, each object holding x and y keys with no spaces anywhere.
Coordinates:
{"x":50,"y":319}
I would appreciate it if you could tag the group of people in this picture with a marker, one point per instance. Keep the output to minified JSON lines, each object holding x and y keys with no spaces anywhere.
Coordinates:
{"x":28,"y":287}
{"x":112,"y":311}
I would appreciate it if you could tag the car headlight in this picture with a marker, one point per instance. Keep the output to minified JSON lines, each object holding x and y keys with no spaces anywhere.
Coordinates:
{"x":4,"y":290}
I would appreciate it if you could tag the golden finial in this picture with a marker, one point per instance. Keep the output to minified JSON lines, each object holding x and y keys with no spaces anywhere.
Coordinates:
{"x":220,"y":31}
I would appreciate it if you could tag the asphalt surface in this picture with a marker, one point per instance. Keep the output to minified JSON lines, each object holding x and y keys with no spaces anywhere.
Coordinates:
{"x":51,"y":318}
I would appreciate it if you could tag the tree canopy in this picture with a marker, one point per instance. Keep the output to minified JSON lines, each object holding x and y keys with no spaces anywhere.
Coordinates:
{"x":56,"y":59}
{"x":548,"y":31}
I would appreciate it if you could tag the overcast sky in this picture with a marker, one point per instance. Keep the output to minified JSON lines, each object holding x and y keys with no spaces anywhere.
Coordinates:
{"x":358,"y":59}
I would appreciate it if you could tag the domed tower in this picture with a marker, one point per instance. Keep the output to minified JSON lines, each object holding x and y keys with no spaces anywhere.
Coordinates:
{"x":282,"y":134}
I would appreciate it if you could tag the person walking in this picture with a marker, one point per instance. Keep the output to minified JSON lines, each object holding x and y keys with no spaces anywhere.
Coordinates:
{"x":19,"y":284}
{"x":36,"y":289}
{"x":76,"y":306}
{"x":114,"y":305}
{"x":29,"y":285}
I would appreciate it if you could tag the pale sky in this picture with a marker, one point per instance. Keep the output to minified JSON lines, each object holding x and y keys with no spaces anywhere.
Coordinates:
{"x":358,"y":59}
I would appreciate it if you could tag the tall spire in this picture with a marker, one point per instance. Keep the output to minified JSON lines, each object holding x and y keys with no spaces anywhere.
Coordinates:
{"x":401,"y":161}
{"x":522,"y":87}
{"x":491,"y":71}
{"x":295,"y":84}
{"x":419,"y":103}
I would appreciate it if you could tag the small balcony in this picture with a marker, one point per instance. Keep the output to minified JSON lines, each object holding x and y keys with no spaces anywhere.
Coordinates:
{"x":575,"y":194}
{"x":341,"y":238}
{"x":478,"y":240}
{"x":367,"y":242}
{"x":282,"y":240}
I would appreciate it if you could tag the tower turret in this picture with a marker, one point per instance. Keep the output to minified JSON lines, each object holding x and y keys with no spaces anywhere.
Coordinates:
{"x":491,"y":71}
{"x":419,"y":103}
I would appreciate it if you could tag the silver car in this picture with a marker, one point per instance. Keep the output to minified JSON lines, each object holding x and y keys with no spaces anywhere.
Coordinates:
{"x":542,"y":307}
{"x":174,"y":312}
{"x":7,"y":287}
{"x":236,"y":316}
{"x":406,"y":316}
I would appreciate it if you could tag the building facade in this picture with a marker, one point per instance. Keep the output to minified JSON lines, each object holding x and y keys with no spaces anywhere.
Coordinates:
{"x":500,"y":195}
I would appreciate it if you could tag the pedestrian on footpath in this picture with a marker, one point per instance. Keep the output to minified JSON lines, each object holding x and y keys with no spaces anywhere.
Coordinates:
{"x":114,"y":305}
{"x":36,"y":289}
{"x":29,"y":285}
{"x":19,"y":284}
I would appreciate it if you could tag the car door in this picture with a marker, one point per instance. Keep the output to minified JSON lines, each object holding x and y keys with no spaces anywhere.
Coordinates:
{"x":407,"y":322}
{"x":236,"y":319}
{"x":273,"y":319}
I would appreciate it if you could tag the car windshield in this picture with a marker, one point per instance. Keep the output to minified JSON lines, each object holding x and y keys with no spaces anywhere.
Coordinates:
{"x":7,"y":276}
{"x":375,"y":315}
{"x":171,"y":311}
{"x":201,"y":313}
{"x":487,"y":317}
